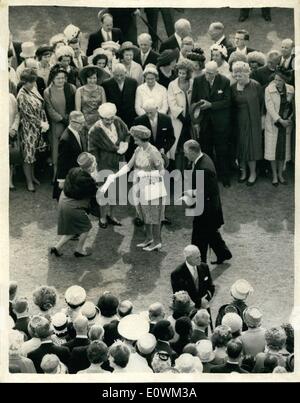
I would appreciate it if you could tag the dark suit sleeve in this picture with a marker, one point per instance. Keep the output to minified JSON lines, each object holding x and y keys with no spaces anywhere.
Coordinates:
{"x":170,"y":137}
{"x":195,"y":97}
{"x":63,"y":158}
{"x":90,"y":46}
{"x":177,"y":282}
{"x":210,"y":285}
{"x":226,"y":99}
{"x":65,"y":356}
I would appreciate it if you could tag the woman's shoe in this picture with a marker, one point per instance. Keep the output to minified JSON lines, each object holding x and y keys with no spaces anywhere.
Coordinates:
{"x":144,"y":244}
{"x":275,"y":184}
{"x":54,"y":251}
{"x":251,"y":183}
{"x":30,"y":189}
{"x":78,"y":254}
{"x":152,"y":248}
{"x":113,"y":221}
{"x":103,"y":224}
{"x":282,"y":181}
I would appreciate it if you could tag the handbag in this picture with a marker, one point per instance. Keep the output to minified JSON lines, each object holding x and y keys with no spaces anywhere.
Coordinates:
{"x":156,"y":190}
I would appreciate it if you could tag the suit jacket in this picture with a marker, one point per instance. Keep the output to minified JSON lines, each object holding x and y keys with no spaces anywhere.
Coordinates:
{"x":84,"y":61}
{"x":77,"y":342}
{"x":170,"y":43}
{"x":68,"y":152}
{"x":151,"y":58}
{"x":263,"y":75}
{"x":18,"y":50}
{"x":220,"y":97}
{"x":79,"y":359}
{"x":164,"y":133}
{"x":96,"y":39}
{"x":198,"y":335}
{"x":124,"y":100}
{"x":212,"y":216}
{"x":181,"y":279}
{"x":22,"y":325}
{"x":37,"y":355}
{"x":233,"y":49}
{"x":227,"y":368}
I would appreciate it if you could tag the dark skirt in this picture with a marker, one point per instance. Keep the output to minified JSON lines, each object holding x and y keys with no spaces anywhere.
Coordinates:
{"x":72,"y":216}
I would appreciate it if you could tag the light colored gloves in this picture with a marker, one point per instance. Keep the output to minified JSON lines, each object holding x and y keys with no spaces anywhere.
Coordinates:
{"x":122,"y":147}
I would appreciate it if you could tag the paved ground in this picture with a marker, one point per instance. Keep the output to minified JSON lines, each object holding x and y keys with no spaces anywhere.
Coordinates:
{"x":259,"y":221}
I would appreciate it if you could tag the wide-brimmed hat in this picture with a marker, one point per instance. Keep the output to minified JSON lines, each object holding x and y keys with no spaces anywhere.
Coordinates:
{"x":167,"y":56}
{"x":252,"y":316}
{"x":127,"y":46}
{"x":141,"y":132}
{"x":257,"y":57}
{"x":146,"y":343}
{"x":241,"y":289}
{"x":101,"y":73}
{"x":57,"y":39}
{"x":85,"y":160}
{"x":75,"y":295}
{"x":205,"y":350}
{"x":195,"y":112}
{"x":133,"y":326}
{"x":282,"y":73}
{"x":98,"y":52}
{"x":110,"y":45}
{"x":71,"y":32}
{"x":43,"y":49}
{"x":186,"y":363}
{"x":28,"y":50}
{"x":89,"y":310}
{"x":59,"y":322}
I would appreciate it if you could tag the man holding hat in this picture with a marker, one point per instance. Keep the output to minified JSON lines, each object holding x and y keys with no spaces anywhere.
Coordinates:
{"x":206,"y":226}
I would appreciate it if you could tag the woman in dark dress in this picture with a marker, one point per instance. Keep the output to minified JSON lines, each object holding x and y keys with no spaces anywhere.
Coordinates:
{"x":247,"y":98}
{"x":165,"y":65}
{"x":73,"y":205}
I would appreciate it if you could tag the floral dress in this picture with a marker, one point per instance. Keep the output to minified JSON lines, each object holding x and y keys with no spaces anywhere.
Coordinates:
{"x":32,"y":113}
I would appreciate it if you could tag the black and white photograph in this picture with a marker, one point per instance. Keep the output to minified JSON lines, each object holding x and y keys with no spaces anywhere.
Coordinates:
{"x":149,"y":182}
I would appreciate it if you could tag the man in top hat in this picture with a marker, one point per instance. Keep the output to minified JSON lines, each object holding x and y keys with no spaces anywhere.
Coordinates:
{"x":239,"y":291}
{"x":105,"y":33}
{"x":253,"y":339}
{"x":216,"y":32}
{"x":120,"y":90}
{"x":182,"y":29}
{"x":146,"y":54}
{"x":211,"y":94}
{"x":206,"y":225}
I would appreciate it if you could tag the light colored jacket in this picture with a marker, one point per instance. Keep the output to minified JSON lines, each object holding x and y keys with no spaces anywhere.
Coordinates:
{"x":158,"y":93}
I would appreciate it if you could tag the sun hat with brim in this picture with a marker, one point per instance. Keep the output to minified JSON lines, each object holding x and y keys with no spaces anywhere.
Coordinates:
{"x":28,"y":50}
{"x":127,"y":46}
{"x":99,"y":71}
{"x":89,"y":310}
{"x":64,"y":51}
{"x":43,"y":49}
{"x":110,"y":45}
{"x":141,"y":132}
{"x":252,"y":316}
{"x":71,"y":32}
{"x":107,"y":110}
{"x":57,"y":39}
{"x":150,"y":69}
{"x":205,"y":350}
{"x":234,"y":321}
{"x":282,"y":73}
{"x":133,"y":326}
{"x":241,"y":289}
{"x":167,"y":56}
{"x":186,"y":363}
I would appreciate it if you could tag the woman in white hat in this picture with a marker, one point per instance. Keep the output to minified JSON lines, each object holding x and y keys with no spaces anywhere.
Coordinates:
{"x":28,"y":52}
{"x":108,"y":142}
{"x":90,"y":96}
{"x":73,"y":205}
{"x":219,"y":55}
{"x":126,"y":54}
{"x":56,"y":42}
{"x":151,"y":89}
{"x":64,"y":56}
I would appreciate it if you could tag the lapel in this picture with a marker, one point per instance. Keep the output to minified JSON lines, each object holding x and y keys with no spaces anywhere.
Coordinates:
{"x":189,"y":277}
{"x":215,"y":85}
{"x":74,"y":142}
{"x":159,"y":125}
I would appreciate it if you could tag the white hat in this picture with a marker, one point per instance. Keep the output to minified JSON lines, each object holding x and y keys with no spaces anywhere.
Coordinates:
{"x":186,"y":363}
{"x":64,"y":51}
{"x":28,"y":50}
{"x":133,"y":326}
{"x":100,"y":51}
{"x":75,"y":295}
{"x":107,"y":110}
{"x":59,"y":320}
{"x":150,"y":68}
{"x":89,"y":310}
{"x":233,"y":320}
{"x":71,"y":32}
{"x":110,"y":45}
{"x":241,"y":289}
{"x":205,"y":350}
{"x":220,"y":48}
{"x":57,"y":38}
{"x":146,"y":343}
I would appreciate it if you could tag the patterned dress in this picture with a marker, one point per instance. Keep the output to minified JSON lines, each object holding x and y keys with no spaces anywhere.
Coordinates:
{"x":90,"y":102}
{"x":147,"y":160}
{"x":32,"y":113}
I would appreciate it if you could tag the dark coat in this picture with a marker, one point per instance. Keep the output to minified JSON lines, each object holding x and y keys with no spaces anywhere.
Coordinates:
{"x":212,"y":216}
{"x":165,"y":346}
{"x":227,"y":368}
{"x":164,"y":134}
{"x":151,"y":58}
{"x":68,"y":152}
{"x":11,"y":311}
{"x":125,"y":100}
{"x":111,"y":332}
{"x":96,"y":39}
{"x":263,"y":75}
{"x":219,"y":96}
{"x":198,"y":335}
{"x":181,"y":279}
{"x":179,"y":345}
{"x":84,"y":61}
{"x":37,"y":355}
{"x":18,"y":50}
{"x":239,"y":305}
{"x":21,"y":324}
{"x":77,"y":342}
{"x":170,"y":43}
{"x":78,"y":360}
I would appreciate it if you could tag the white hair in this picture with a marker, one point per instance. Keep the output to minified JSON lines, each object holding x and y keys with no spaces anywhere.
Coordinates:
{"x":119,"y":67}
{"x":288,"y":41}
{"x":150,"y":103}
{"x":212,"y":64}
{"x":242,"y":67}
{"x":144,"y":36}
{"x":182,"y":23}
{"x":216,"y":25}
{"x":190,"y":250}
{"x":273,"y":54}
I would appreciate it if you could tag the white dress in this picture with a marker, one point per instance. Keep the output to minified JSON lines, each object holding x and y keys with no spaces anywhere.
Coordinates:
{"x":158,"y":93}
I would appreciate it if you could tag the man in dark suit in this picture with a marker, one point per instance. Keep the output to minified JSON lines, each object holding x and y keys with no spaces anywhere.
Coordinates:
{"x":234,"y":352}
{"x":104,"y":34}
{"x":81,"y":328}
{"x":241,"y":40}
{"x":120,"y":90}
{"x":125,"y":19}
{"x":201,"y":322}
{"x":182,"y":29}
{"x":21,"y":309}
{"x":164,"y":332}
{"x":71,"y":144}
{"x":206,"y":225}
{"x":146,"y":55}
{"x":79,"y":60}
{"x":212,"y":93}
{"x":216,"y":32}
{"x":193,"y":276}
{"x":44,"y":332}
{"x":265,"y":74}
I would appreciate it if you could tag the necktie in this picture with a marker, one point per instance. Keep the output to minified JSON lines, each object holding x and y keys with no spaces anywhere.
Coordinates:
{"x":196,"y":277}
{"x":154,"y":129}
{"x":143,"y":58}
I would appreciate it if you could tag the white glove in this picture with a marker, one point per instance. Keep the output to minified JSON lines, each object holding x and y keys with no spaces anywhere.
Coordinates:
{"x":122,"y":147}
{"x":110,"y":179}
{"x":44,"y":126}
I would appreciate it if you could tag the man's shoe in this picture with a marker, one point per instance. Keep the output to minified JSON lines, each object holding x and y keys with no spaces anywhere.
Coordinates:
{"x":226,"y":183}
{"x":138,"y":222}
{"x":226,"y":256}
{"x":166,"y":221}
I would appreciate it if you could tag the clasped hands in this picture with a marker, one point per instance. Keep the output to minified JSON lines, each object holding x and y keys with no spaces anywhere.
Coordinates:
{"x":204,"y":104}
{"x":123,"y":146}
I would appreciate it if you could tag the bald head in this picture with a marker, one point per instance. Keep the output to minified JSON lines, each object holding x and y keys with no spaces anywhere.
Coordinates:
{"x":125,"y":308}
{"x":156,"y":312}
{"x":81,"y":325}
{"x":183,"y":27}
{"x":192,"y":255}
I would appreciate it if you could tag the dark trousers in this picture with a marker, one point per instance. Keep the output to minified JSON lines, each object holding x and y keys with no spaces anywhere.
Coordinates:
{"x":152,"y":18}
{"x":265,"y":11}
{"x":204,"y":237}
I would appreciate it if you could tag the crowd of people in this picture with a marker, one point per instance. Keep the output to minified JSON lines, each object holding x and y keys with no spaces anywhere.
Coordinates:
{"x":151,"y":110}
{"x":112,"y":337}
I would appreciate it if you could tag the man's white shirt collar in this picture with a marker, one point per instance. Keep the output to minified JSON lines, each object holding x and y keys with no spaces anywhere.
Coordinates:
{"x":220,"y":40}
{"x":179,"y":40}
